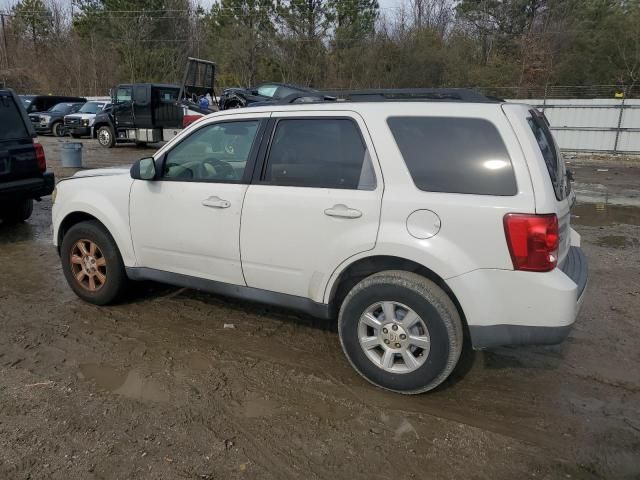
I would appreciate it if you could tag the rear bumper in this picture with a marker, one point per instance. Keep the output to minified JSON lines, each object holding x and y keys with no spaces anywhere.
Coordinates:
{"x":522,"y":308}
{"x":29,"y":187}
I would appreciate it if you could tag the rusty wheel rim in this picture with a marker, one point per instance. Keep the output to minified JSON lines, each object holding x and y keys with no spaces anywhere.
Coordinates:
{"x":88,"y":265}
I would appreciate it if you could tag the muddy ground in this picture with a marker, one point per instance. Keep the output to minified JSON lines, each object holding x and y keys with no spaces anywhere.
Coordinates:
{"x":158,"y":388}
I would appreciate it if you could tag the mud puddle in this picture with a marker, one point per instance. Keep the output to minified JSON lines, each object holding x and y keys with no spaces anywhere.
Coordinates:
{"x":599,"y":193}
{"x":603,"y":214}
{"x":128,"y":384}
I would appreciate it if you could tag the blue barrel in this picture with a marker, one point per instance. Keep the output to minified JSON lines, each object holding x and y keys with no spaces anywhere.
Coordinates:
{"x":71,"y":154}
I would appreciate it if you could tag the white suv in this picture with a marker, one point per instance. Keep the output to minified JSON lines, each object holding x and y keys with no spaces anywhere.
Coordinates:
{"x":421,"y":221}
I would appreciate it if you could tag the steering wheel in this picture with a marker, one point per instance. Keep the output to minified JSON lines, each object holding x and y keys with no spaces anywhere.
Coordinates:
{"x":224,"y":171}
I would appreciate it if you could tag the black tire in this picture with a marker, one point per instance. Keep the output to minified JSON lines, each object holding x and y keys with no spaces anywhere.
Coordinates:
{"x":116,"y":279}
{"x":141,"y":144}
{"x":16,"y":211}
{"x":428,"y":301}
{"x":58,"y":129}
{"x":106,"y":136}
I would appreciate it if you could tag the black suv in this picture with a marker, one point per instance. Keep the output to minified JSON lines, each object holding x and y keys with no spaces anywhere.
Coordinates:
{"x":23,"y":174}
{"x":40,"y":103}
{"x":52,"y":121}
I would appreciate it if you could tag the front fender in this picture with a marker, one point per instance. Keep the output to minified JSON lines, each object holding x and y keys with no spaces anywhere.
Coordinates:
{"x":106,"y":199}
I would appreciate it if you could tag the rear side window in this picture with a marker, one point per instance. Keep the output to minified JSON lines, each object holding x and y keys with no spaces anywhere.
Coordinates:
{"x":554,"y":164}
{"x":454,"y":155}
{"x":320,"y":153}
{"x":11,"y":121}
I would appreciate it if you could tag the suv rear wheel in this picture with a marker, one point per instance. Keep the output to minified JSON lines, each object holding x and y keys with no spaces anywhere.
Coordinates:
{"x":16,"y":211}
{"x":400,"y":331}
{"x":92,"y":263}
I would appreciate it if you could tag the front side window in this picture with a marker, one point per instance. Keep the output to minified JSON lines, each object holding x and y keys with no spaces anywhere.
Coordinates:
{"x":214,"y":153}
{"x":320,"y":153}
{"x":61,"y":107}
{"x":454,"y":155}
{"x":555,"y":165}
{"x":123,"y":94}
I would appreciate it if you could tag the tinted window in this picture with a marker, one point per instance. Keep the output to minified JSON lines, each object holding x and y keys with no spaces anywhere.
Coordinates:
{"x":457,"y":155}
{"x":168,"y":96}
{"x":555,"y":166}
{"x":321,"y":153}
{"x":11,"y":122}
{"x":217,"y":152}
{"x":286,"y":91}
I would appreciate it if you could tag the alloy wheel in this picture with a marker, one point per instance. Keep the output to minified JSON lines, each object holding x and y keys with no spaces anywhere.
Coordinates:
{"x":88,"y":265}
{"x":394,"y":337}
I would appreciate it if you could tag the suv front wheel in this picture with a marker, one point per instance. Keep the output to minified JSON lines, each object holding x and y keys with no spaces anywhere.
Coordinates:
{"x":401,"y":331}
{"x":92,"y":263}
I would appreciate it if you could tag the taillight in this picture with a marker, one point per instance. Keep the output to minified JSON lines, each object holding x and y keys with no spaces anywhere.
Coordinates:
{"x":40,"y":158}
{"x":532,"y":241}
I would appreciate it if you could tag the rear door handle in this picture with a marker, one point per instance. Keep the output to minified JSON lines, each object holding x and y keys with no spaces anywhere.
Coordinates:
{"x":216,"y":202}
{"x":342,"y":211}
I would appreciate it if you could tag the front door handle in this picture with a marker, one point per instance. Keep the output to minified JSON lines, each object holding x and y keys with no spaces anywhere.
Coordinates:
{"x":216,"y":202}
{"x":342,"y":211}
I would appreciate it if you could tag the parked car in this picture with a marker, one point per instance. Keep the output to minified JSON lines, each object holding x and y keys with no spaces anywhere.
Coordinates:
{"x":80,"y":124}
{"x":471,"y":235}
{"x":42,"y":103}
{"x":52,"y":121}
{"x":264,"y":94}
{"x":23,"y":167}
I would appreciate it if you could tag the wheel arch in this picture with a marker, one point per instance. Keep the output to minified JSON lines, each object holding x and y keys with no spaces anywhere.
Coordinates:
{"x":78,"y":216}
{"x":364,"y":267}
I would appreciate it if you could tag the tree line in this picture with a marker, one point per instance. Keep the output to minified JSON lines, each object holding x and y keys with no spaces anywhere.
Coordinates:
{"x":87,"y":46}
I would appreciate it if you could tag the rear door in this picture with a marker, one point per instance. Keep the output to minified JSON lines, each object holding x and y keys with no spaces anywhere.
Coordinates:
{"x":313,"y":203}
{"x":17,"y":154}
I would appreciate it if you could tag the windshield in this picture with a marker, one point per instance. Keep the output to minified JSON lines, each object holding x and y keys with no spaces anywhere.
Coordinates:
{"x":61,"y":107}
{"x":92,"y":107}
{"x":267,"y":90}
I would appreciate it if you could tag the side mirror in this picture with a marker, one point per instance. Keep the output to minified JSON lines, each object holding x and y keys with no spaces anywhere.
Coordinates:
{"x":144,"y":169}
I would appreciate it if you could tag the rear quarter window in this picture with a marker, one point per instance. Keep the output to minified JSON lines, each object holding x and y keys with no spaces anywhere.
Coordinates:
{"x":552,"y":159}
{"x":11,"y":121}
{"x":454,"y":155}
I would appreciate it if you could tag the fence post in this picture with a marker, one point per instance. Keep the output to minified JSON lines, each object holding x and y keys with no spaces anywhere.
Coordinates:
{"x":624,"y":97}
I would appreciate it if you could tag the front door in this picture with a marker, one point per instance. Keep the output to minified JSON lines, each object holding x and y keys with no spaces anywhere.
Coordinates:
{"x":188,"y":220}
{"x":316,"y":203}
{"x":123,"y":107}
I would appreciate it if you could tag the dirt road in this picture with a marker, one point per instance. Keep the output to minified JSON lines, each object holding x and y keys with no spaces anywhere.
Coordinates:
{"x":158,"y":388}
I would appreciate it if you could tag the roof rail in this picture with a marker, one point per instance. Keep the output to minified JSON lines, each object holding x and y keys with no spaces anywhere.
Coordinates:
{"x":392,"y":95}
